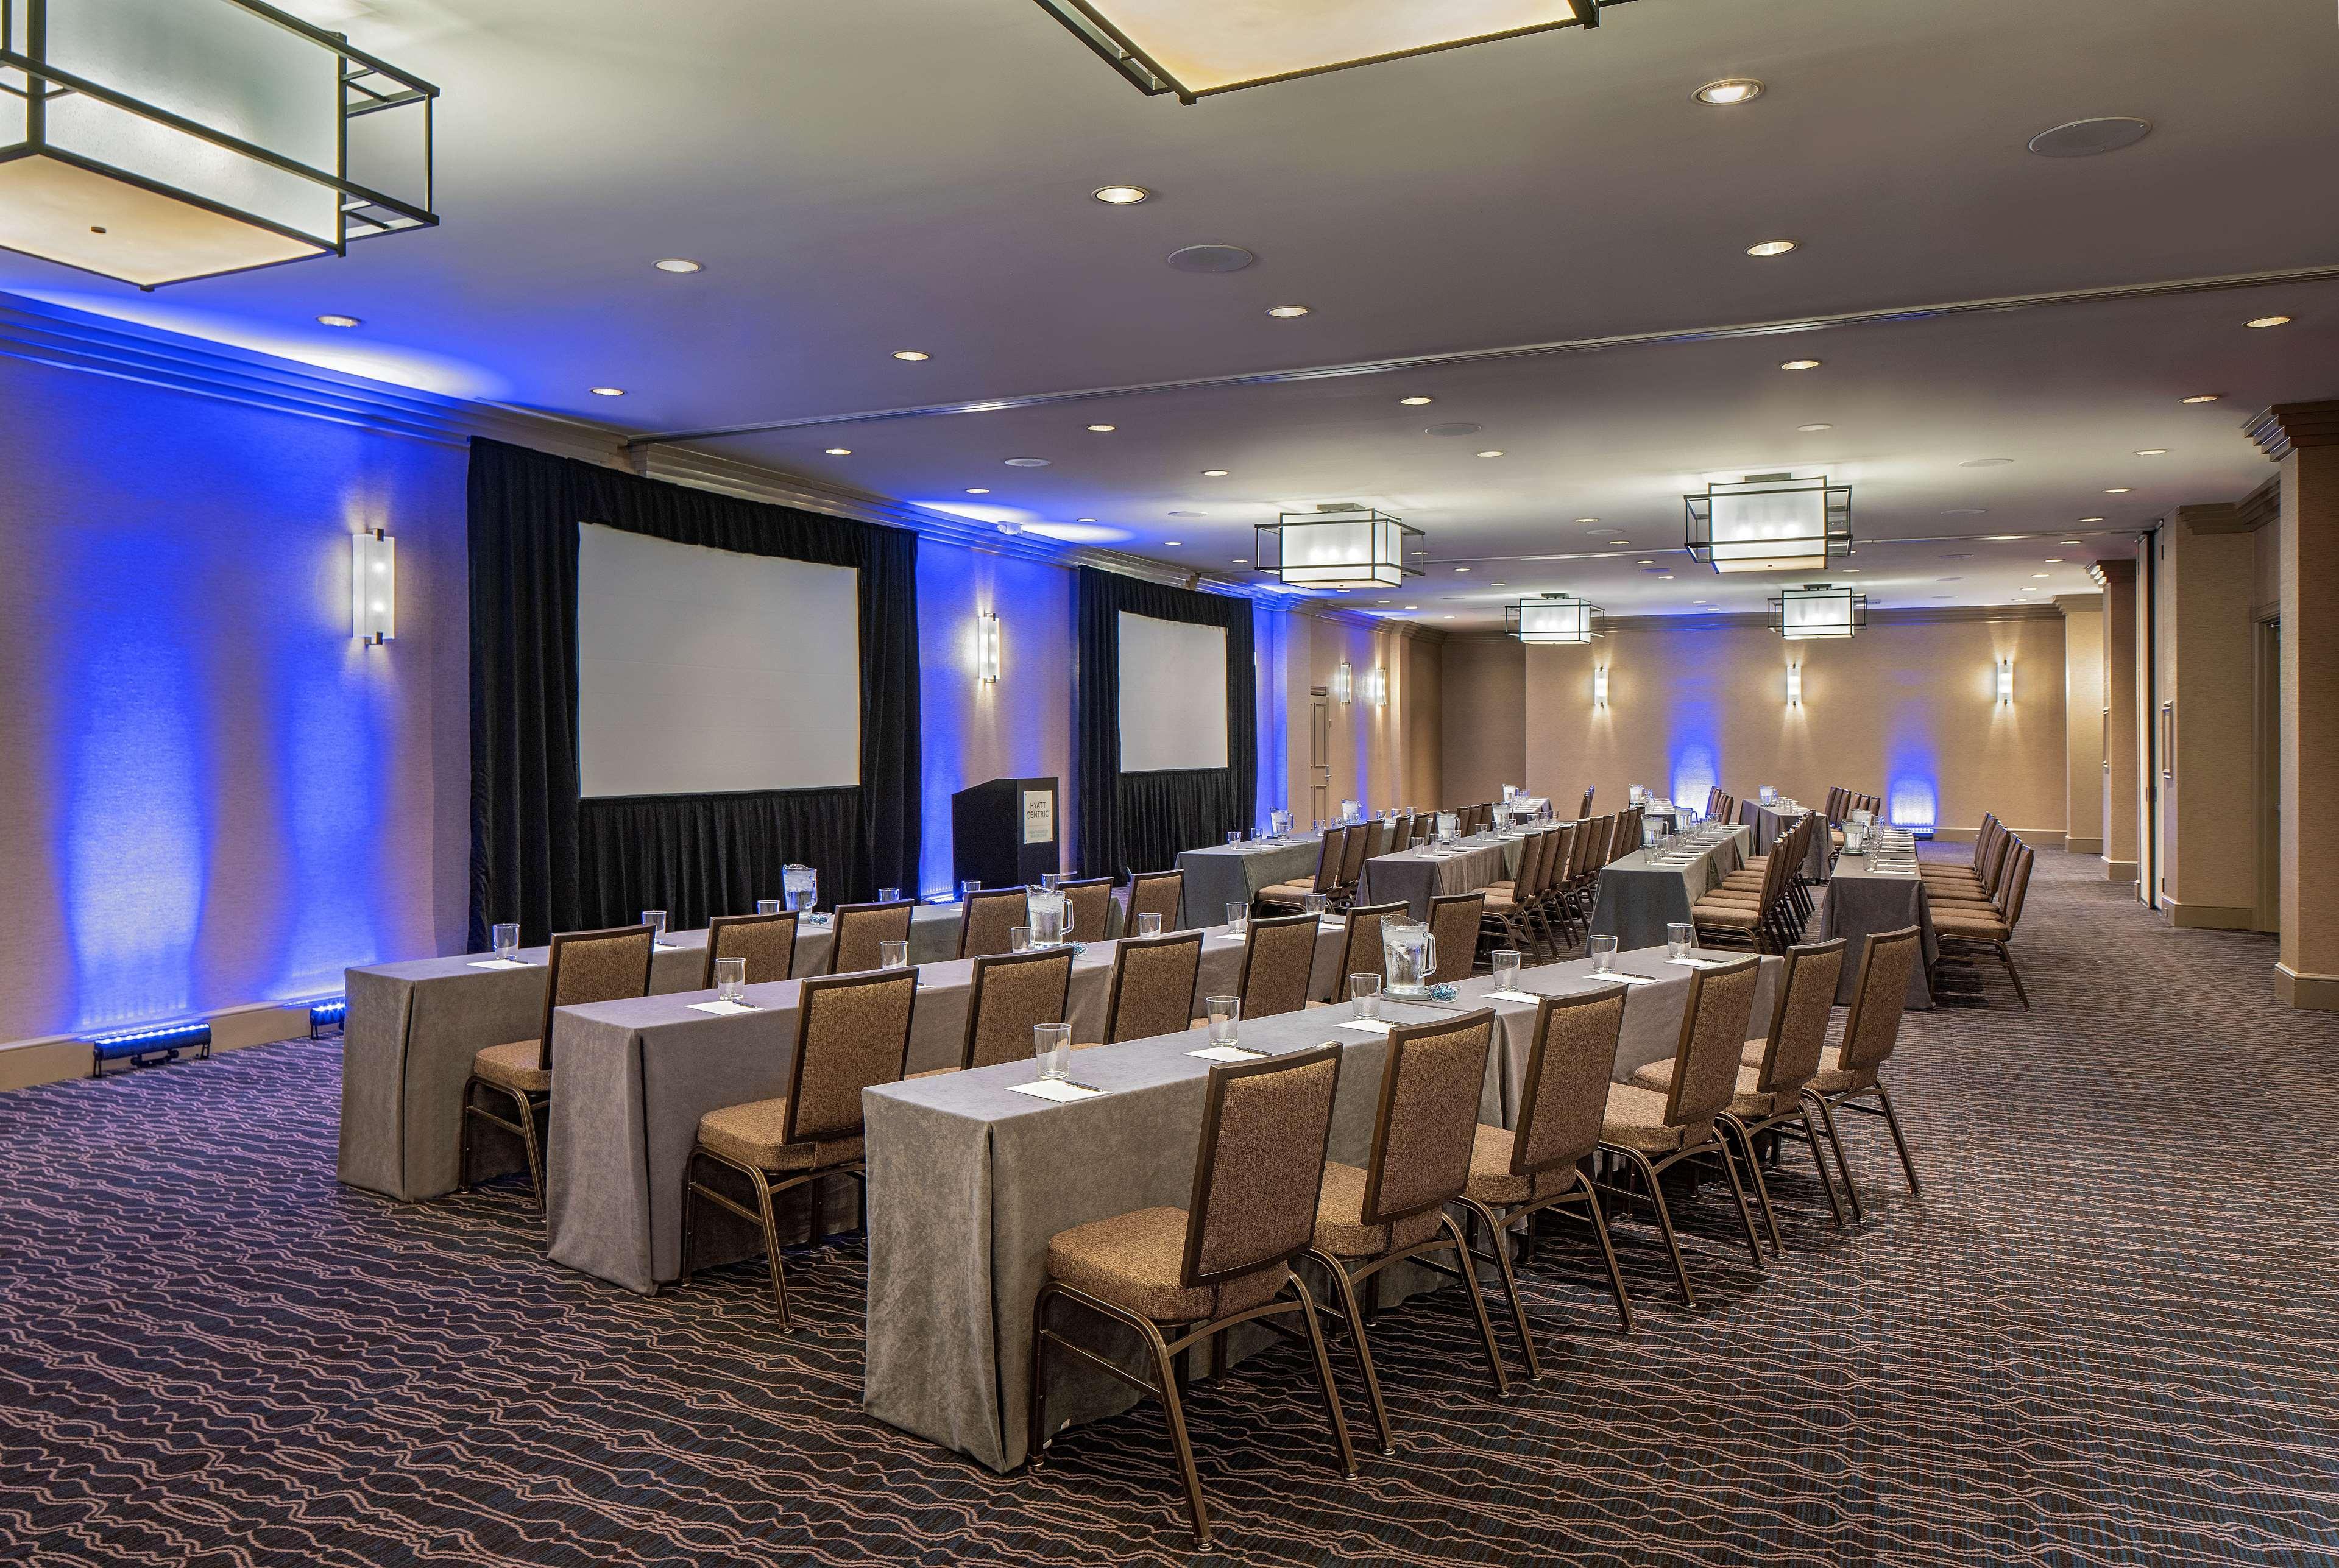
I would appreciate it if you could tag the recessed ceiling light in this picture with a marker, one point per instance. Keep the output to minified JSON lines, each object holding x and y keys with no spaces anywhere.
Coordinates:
{"x":2089,"y":520}
{"x":2121,"y":491}
{"x":1810,"y":427}
{"x":1664,"y":577}
{"x":1084,"y":519}
{"x":1185,"y":514}
{"x":2001,"y":538}
{"x":1800,"y":365}
{"x":1770,"y":248}
{"x":1853,"y":571}
{"x":840,"y":451}
{"x":1413,"y":606}
{"x":2202,"y":398}
{"x":1697,"y":601}
{"x":1728,"y":90}
{"x":1384,"y":601}
{"x":1644,"y":563}
{"x":1214,"y":473}
{"x":609,"y":391}
{"x":1287,"y":312}
{"x":2268,"y":322}
{"x":1461,"y":568}
{"x":2152,"y":451}
{"x":977,"y":490}
{"x":1587,"y":519}
{"x":2067,"y":541}
{"x":1966,"y":512}
{"x":1242,"y":561}
{"x":1104,"y":430}
{"x":1986,"y":463}
{"x":2085,"y":138}
{"x":677,"y":264}
{"x":1498,"y":584}
{"x":2042,"y":573}
{"x":2054,"y":560}
{"x":913,"y":355}
{"x":1120,"y":195}
{"x":1416,"y":402}
{"x":1496,"y":452}
{"x":339,"y":322}
{"x":1027,"y":463}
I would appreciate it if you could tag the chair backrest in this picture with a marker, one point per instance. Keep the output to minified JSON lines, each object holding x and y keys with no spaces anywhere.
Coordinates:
{"x":1453,"y":926}
{"x":1352,"y":863}
{"x":1010,"y":992}
{"x":986,"y":918}
{"x":1090,"y":899}
{"x":1330,"y":855}
{"x":1161,"y":893}
{"x":1579,"y":851}
{"x":1534,"y":854}
{"x":1635,"y":835}
{"x":852,"y":1032}
{"x":1428,"y":1118}
{"x":1713,"y":1035}
{"x":1993,"y":865}
{"x":1983,"y":840}
{"x":1585,"y":809}
{"x":1153,"y":986}
{"x":1260,"y":1170}
{"x":1278,"y":956}
{"x":2017,"y":886}
{"x":859,"y":927}
{"x":1799,"y":1016}
{"x":767,"y":941}
{"x":1361,"y":952}
{"x":1872,"y":1027}
{"x":1560,"y":849}
{"x":589,"y":966}
{"x":1564,"y":1101}
{"x":1835,"y":807}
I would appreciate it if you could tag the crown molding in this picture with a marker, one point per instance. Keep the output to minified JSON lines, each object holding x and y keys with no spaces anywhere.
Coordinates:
{"x":2076,"y":604}
{"x":2283,"y":428}
{"x":1943,"y":614}
{"x":2261,"y":506}
{"x":2113,"y":571}
{"x":2216,"y":518}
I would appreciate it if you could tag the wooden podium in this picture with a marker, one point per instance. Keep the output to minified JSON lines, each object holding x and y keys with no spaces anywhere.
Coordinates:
{"x":1006,"y":833}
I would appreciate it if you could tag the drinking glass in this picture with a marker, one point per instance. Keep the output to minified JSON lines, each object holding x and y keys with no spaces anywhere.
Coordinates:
{"x":1225,"y":1016}
{"x":1237,"y":919}
{"x":1052,"y":1044}
{"x":1018,"y":938}
{"x":656,"y":919}
{"x":508,"y":943}
{"x":1604,"y":955}
{"x":889,"y":895}
{"x":1364,"y":996}
{"x":893,"y":956}
{"x":1313,"y":903}
{"x":769,"y":906}
{"x":969,"y":888}
{"x":1506,"y":969}
{"x":730,"y":979}
{"x":1049,"y":879}
{"x":1234,"y":835}
{"x":1149,"y":925}
{"x":1679,"y":939}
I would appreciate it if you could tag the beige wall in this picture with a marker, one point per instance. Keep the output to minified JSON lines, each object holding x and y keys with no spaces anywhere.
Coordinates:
{"x":2208,"y":578}
{"x":1482,"y":739}
{"x":2083,"y":723}
{"x":1906,"y":709}
{"x":1384,"y":755}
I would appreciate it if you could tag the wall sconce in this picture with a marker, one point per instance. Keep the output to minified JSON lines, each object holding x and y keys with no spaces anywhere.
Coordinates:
{"x":1794,"y":685}
{"x":2006,"y":683}
{"x":1376,"y":686}
{"x":373,"y":587}
{"x":1599,"y":685}
{"x":986,"y":648}
{"x":1343,"y":682}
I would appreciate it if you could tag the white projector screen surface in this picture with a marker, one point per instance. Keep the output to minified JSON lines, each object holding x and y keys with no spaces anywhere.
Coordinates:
{"x":1173,"y":695}
{"x":706,"y":671}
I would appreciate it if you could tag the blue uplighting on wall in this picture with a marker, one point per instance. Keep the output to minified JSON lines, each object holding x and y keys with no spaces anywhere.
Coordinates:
{"x":1911,"y":801}
{"x":1271,"y":629}
{"x":328,"y":736}
{"x":1696,"y":760}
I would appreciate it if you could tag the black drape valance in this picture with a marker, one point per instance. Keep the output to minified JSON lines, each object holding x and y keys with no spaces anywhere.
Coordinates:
{"x":1140,"y":822}
{"x":542,"y":857}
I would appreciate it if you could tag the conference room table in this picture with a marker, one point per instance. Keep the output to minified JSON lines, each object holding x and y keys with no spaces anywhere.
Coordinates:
{"x":1861,"y":901}
{"x":1220,"y":874}
{"x":413,"y":1027}
{"x":1639,"y":896}
{"x":1768,"y":824}
{"x":968,"y":1178}
{"x":1416,"y":876}
{"x":634,"y":1078}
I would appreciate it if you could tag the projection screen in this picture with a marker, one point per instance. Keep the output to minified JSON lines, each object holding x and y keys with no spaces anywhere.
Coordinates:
{"x":1173,"y":695}
{"x":704,"y":671}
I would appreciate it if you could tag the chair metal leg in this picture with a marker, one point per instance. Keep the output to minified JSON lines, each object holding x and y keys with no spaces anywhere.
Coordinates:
{"x":1182,"y":1444}
{"x":772,"y":1249}
{"x":689,"y":1219}
{"x":1893,"y":1121}
{"x":1035,"y":1401}
{"x":1478,"y":1304}
{"x":2006,"y":957}
{"x":1738,"y":1191}
{"x":1346,"y":1289}
{"x":1664,"y":1221}
{"x":1754,"y":1168}
{"x":1498,"y":1242}
{"x":1348,"y":1454}
{"x":1607,"y":1252}
{"x":1842,"y":1163}
{"x":1827,"y":1182}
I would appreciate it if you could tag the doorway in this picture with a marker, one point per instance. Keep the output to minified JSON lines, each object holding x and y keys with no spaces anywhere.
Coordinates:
{"x":1319,"y":755}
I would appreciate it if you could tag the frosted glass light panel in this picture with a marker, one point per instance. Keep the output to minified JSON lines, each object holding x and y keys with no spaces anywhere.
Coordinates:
{"x":1770,"y":523}
{"x":1816,"y":610}
{"x":1553,"y":618}
{"x":373,"y":587}
{"x":1196,"y":47}
{"x":155,"y":140}
{"x":1345,"y":548}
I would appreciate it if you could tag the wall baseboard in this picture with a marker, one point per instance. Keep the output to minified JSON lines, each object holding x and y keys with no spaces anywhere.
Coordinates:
{"x":2094,"y":846}
{"x":57,"y":1058}
{"x":2211,"y":916}
{"x":2316,"y":992}
{"x":2036,"y":837}
{"x":2119,"y":870}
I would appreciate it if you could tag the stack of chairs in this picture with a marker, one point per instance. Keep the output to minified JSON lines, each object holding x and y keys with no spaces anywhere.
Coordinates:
{"x":1976,"y":910}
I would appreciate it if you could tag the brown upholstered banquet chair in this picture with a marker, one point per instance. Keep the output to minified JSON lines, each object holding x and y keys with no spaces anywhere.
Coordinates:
{"x":853,"y":1032}
{"x":1585,"y":809}
{"x":1454,"y":921}
{"x":1279,"y":958}
{"x":986,"y":919}
{"x":1512,"y":907}
{"x":1648,"y":1131}
{"x":767,"y":941}
{"x":1090,"y":901}
{"x":1161,"y":893}
{"x":1009,"y":994}
{"x":1331,"y":853}
{"x":1361,"y":838}
{"x":1154,"y":981}
{"x":1724,"y":918}
{"x":1181,"y":1277}
{"x":1392,"y":1210}
{"x":1848,"y":1072}
{"x":584,"y":966}
{"x":1360,"y":948}
{"x":1553,"y":909}
{"x":1774,"y":1069}
{"x":1519,"y":1172}
{"x":1981,"y":878}
{"x":859,"y":927}
{"x":1972,"y":934}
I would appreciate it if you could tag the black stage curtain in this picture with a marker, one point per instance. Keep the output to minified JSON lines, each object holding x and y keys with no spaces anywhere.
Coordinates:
{"x":1140,"y":822}
{"x":544,"y":858}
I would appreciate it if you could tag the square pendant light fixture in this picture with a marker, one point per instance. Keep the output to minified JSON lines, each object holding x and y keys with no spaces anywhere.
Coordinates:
{"x":1817,"y":610}
{"x":1194,"y":48}
{"x":155,"y":140}
{"x":1337,"y":546}
{"x":373,"y":587}
{"x":1551,"y":619}
{"x":1770,"y":523}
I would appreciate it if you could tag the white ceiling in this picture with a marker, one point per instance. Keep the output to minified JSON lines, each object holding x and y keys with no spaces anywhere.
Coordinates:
{"x":915,"y":173}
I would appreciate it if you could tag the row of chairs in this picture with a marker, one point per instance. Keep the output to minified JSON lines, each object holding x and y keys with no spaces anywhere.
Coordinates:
{"x":1976,"y":909}
{"x":1766,"y":904}
{"x":1275,"y":1231}
{"x":1721,"y":804}
{"x":1548,"y":907}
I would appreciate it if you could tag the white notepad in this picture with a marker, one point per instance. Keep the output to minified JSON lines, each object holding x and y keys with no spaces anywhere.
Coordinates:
{"x":501,"y":963}
{"x":722,"y":1008}
{"x":1055,"y":1089}
{"x":1513,"y":996}
{"x":1700,"y":963}
{"x":1365,"y":1026}
{"x":1224,"y":1053}
{"x":1622,"y":979}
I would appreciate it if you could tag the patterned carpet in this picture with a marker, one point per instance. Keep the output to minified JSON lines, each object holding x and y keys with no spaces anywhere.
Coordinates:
{"x":2105,"y":1335}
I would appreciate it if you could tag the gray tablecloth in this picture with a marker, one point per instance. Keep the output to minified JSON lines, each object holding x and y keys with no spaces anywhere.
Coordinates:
{"x":1223,"y":874}
{"x":414,"y":1027}
{"x":1416,"y":876}
{"x":1860,"y":903}
{"x":633,"y":1078}
{"x":1638,"y":900}
{"x":968,"y":1180}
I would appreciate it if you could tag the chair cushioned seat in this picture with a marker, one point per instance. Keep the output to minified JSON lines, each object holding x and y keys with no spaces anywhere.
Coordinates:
{"x":1749,"y":1099}
{"x":1134,"y":1259}
{"x":750,"y":1134}
{"x":1294,"y":893}
{"x":1635,"y":1119}
{"x":934,"y":1073}
{"x":1832,"y":1079}
{"x":1977,"y":927}
{"x":1707,"y":912}
{"x":513,"y":1066}
{"x":1341,"y":1229}
{"x":1491,"y":1182}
